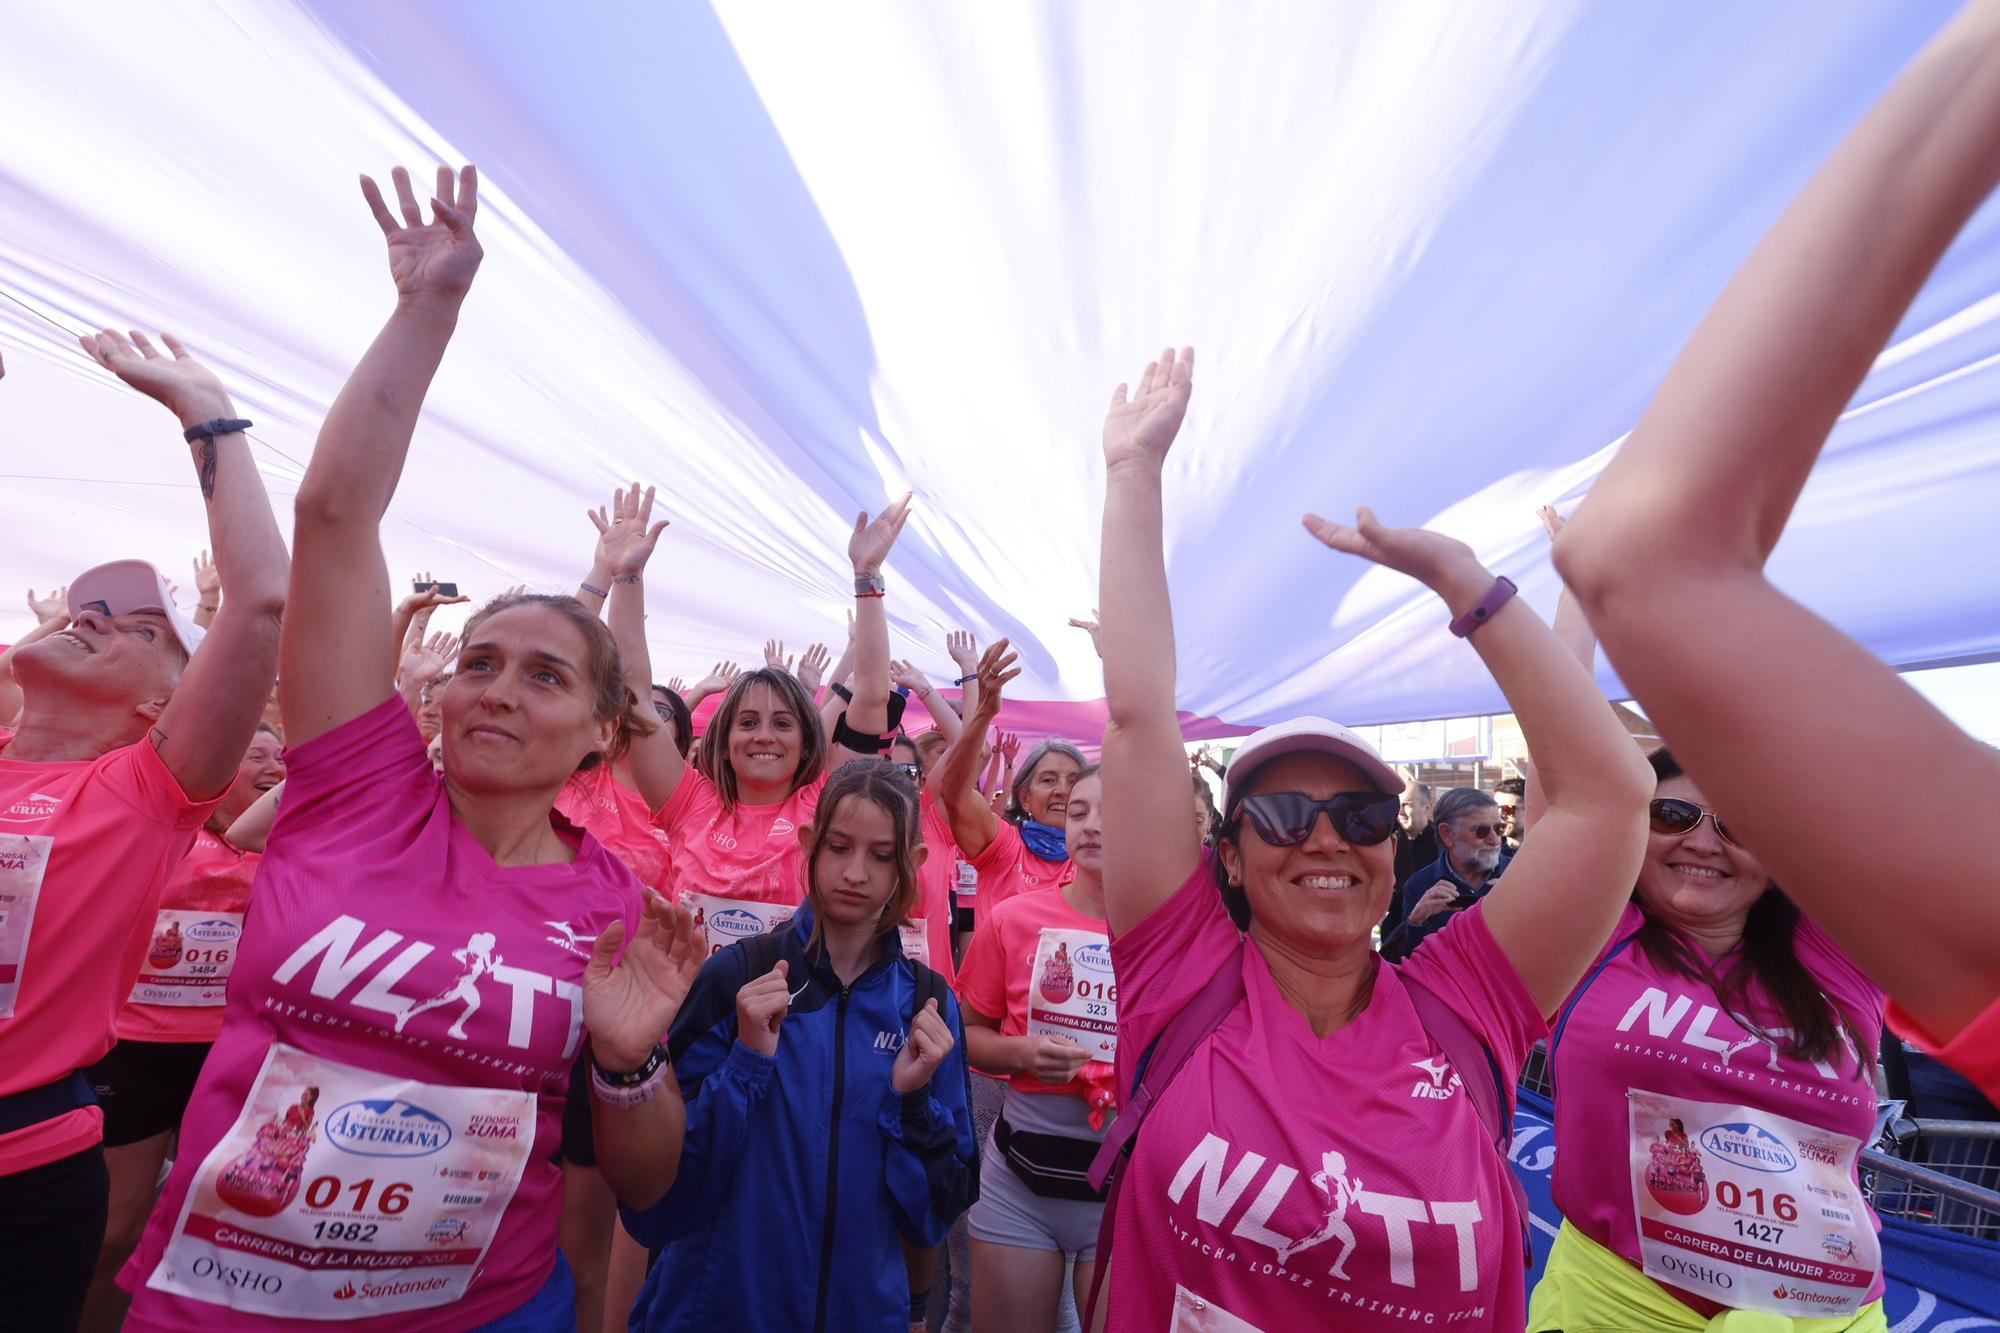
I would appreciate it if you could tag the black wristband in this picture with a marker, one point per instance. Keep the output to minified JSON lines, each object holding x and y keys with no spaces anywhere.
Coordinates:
{"x":844,"y":692}
{"x":635,"y":1077}
{"x":220,"y":426}
{"x":858,"y":741}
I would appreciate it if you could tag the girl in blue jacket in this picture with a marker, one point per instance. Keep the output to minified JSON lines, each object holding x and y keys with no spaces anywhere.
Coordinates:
{"x":822,"y":1098}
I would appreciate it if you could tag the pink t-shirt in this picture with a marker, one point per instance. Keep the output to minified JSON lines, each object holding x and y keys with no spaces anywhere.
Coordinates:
{"x":999,"y":977}
{"x":384,"y":1102}
{"x":617,"y":816}
{"x":1638,"y":1026}
{"x":936,"y":878}
{"x":1007,"y":867}
{"x":86,"y":849}
{"x":751,"y":852}
{"x":1296,"y":1181}
{"x":197,"y":934}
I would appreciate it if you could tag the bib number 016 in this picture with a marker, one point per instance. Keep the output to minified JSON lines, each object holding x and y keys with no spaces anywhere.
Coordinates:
{"x":325,"y":1192}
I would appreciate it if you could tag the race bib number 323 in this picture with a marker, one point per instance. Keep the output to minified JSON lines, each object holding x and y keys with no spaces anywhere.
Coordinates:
{"x":340,"y":1193}
{"x":1073,"y":993}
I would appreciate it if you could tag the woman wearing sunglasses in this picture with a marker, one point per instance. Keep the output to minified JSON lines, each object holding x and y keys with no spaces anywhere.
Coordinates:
{"x":1319,"y":1160}
{"x":1714,"y":1088}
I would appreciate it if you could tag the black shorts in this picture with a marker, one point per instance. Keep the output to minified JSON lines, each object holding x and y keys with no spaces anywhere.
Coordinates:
{"x":579,"y":1141}
{"x":144,"y":1087}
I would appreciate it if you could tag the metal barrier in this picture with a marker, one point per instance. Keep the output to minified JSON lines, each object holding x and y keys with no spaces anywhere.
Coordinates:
{"x":1941,"y":1173}
{"x":1944,"y":1173}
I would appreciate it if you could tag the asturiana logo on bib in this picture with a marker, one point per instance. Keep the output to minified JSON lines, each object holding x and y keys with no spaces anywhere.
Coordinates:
{"x":1094,"y":958}
{"x":212,"y":931}
{"x":1749,"y":1145}
{"x":735,"y":921}
{"x":392,"y":1128}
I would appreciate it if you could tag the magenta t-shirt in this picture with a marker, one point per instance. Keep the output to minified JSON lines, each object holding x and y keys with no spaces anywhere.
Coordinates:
{"x":374,"y":1133}
{"x":1293,"y":1181}
{"x":1639,"y":1027}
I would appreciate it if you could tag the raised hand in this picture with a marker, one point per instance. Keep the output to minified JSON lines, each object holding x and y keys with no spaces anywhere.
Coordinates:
{"x":997,"y":670}
{"x":1443,"y":564}
{"x":907,"y":676}
{"x":677,"y":685}
{"x":1009,"y":747}
{"x":427,"y":598}
{"x":930,"y":1041}
{"x":872,"y":541}
{"x":1092,"y":628}
{"x":1055,"y":1060}
{"x":207,"y":580}
{"x":423,"y":662}
{"x":628,"y":1006}
{"x":774,"y":656}
{"x":181,"y":384}
{"x":626,"y":532}
{"x":1552,"y":522}
{"x":760,"y":1007}
{"x":434,"y":261}
{"x":1143,"y":428}
{"x":812,"y":666}
{"x":964,"y":650}
{"x":720,"y":678}
{"x":53,"y":607}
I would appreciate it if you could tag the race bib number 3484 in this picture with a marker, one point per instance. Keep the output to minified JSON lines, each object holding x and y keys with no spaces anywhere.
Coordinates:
{"x":340,"y":1193}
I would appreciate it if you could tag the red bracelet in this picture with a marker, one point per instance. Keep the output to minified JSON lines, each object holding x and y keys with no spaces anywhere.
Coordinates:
{"x":871,"y":594}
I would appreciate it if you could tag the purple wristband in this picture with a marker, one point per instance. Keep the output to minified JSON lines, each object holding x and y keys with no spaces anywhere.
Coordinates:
{"x":1501,"y":593}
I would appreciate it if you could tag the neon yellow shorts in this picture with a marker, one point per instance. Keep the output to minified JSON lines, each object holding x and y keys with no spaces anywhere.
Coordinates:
{"x":1589,"y":1289}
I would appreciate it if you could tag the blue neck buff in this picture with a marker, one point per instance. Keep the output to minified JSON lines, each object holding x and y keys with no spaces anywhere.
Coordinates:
{"x":1044,"y":840}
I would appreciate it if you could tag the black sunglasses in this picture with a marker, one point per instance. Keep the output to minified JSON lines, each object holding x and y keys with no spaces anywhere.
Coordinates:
{"x":1676,"y":817}
{"x":914,"y":772}
{"x":1286,"y":818}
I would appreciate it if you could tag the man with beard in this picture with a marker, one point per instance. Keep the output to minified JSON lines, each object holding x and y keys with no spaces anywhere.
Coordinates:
{"x":1471,"y":857}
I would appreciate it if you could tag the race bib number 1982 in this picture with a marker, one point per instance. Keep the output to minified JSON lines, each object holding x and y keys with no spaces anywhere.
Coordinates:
{"x":340,"y":1193}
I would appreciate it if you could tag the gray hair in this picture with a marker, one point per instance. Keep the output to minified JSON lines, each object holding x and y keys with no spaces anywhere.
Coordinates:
{"x":1459,"y":802}
{"x":1015,"y":812}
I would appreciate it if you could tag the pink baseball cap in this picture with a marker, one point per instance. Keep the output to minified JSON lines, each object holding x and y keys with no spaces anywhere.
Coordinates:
{"x":1306,"y":734}
{"x":125,"y":586}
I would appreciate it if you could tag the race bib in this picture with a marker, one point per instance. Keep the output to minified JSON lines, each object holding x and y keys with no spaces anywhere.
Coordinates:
{"x":1749,"y":1208}
{"x":1198,"y":1314}
{"x":916,"y":940}
{"x":1072,"y":992}
{"x":968,"y":881}
{"x":24,"y":860}
{"x":726,"y":920}
{"x":188,"y":962}
{"x":341,"y":1193}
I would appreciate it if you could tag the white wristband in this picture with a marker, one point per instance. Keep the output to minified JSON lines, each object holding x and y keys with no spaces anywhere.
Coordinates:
{"x":624,"y":1099}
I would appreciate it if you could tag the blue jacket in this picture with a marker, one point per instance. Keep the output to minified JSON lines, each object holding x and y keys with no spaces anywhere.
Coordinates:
{"x":799,"y":1172}
{"x":1423,"y":881}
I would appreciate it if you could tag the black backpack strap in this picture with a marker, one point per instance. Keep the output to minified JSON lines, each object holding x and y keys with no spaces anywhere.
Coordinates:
{"x":930,"y":985}
{"x":761,"y":953}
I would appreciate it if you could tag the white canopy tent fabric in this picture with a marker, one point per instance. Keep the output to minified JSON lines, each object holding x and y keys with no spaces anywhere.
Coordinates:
{"x":787,"y":260}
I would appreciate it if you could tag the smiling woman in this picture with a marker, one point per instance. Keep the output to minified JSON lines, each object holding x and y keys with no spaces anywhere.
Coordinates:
{"x":469,"y":876}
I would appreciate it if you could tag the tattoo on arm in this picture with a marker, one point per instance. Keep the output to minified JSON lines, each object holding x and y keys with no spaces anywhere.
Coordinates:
{"x":625,"y":578}
{"x":205,"y":467}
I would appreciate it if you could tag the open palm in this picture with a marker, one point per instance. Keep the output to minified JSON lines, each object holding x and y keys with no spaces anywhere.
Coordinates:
{"x":628,"y":1007}
{"x":435,"y":259}
{"x":1143,"y":427}
{"x":626,"y":532}
{"x":179,"y":381}
{"x":872,"y":540}
{"x":1429,"y":557}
